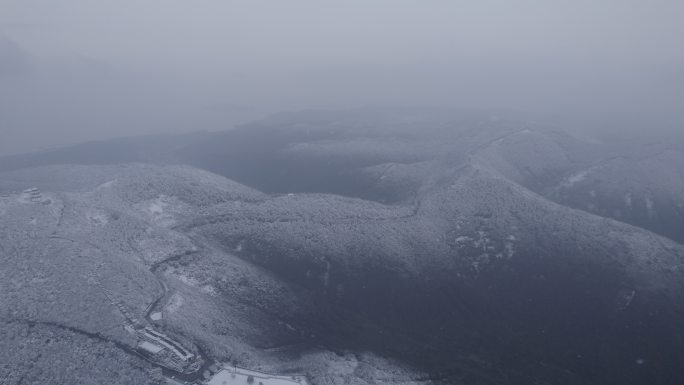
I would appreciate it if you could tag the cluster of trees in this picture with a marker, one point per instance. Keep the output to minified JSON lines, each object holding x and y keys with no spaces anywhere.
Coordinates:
{"x":34,"y":353}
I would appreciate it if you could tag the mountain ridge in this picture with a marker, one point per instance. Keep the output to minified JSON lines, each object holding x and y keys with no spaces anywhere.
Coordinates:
{"x":470,"y":273}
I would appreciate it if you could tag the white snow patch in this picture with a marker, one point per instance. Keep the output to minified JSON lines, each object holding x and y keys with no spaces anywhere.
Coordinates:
{"x":150,"y":347}
{"x":628,"y":199}
{"x":156,"y":316}
{"x":208,"y":289}
{"x":463,"y":239}
{"x":649,"y":204}
{"x":235,"y":376}
{"x":578,"y":177}
{"x":175,"y":303}
{"x":574,"y":179}
{"x":160,"y":244}
{"x":157,"y":206}
{"x":106,"y":185}
{"x":97,"y":217}
{"x":190,"y":281}
{"x":187,"y":280}
{"x":161,"y":210}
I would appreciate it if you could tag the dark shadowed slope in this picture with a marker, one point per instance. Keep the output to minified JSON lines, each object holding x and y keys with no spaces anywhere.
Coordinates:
{"x":417,"y":248}
{"x":477,"y":281}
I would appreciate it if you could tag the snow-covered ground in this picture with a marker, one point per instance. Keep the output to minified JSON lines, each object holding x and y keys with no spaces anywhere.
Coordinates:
{"x":234,"y":376}
{"x":481,"y":229}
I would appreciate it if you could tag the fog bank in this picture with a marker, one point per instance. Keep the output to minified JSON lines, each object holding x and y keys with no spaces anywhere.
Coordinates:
{"x":79,"y":70}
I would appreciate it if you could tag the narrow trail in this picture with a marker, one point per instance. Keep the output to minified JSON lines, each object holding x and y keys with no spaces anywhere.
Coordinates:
{"x":202,"y":360}
{"x":157,"y":269}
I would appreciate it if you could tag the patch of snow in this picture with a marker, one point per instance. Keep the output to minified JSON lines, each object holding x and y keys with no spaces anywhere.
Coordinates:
{"x":578,"y":177}
{"x":175,"y":303}
{"x":97,"y":217}
{"x":150,"y":347}
{"x":106,"y":185}
{"x":650,"y":205}
{"x":463,"y":239}
{"x":156,"y":316}
{"x":160,"y":244}
{"x":161,"y":210}
{"x":574,"y":179}
{"x":208,"y":289}
{"x":628,"y":200}
{"x":187,"y":280}
{"x":190,"y":281}
{"x":157,"y":206}
{"x":235,"y":376}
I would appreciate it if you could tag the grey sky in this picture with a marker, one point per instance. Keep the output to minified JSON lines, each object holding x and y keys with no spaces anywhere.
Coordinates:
{"x":80,"y":69}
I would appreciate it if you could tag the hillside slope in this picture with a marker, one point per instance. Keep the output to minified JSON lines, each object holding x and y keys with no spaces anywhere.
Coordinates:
{"x":475,"y":273}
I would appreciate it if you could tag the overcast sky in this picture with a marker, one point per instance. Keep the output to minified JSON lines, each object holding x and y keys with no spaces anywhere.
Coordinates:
{"x":73,"y":70}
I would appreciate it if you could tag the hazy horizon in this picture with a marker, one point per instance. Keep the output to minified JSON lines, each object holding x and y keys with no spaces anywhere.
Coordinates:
{"x":76,"y":70}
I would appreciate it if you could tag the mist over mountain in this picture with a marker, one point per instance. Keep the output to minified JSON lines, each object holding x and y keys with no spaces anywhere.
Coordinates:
{"x":75,"y":71}
{"x":341,"y":193}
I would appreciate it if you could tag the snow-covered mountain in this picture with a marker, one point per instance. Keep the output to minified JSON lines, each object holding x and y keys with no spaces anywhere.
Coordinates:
{"x":368,"y":248}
